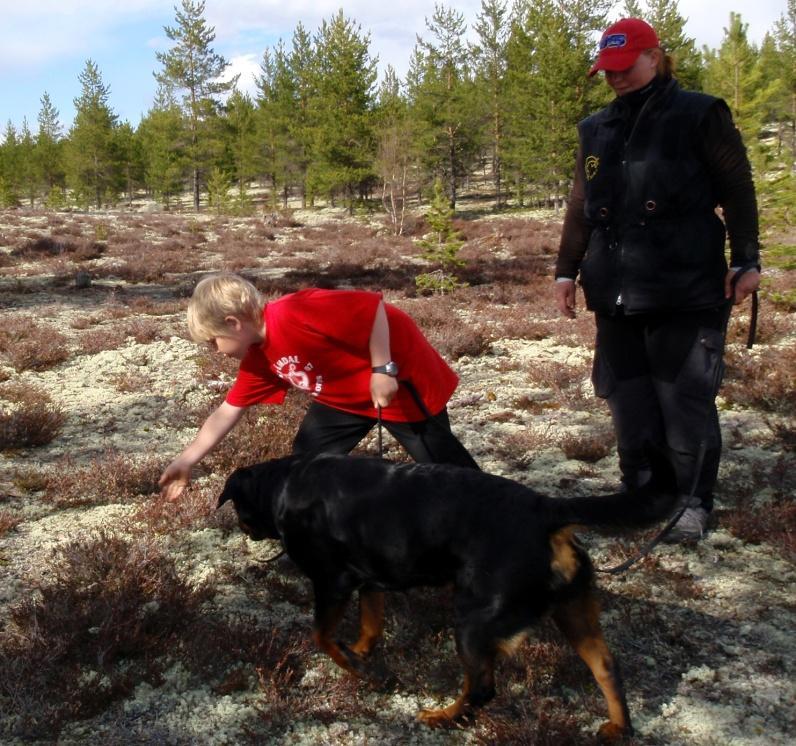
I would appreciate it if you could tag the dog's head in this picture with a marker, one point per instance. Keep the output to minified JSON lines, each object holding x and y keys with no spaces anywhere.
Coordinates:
{"x":253,"y":491}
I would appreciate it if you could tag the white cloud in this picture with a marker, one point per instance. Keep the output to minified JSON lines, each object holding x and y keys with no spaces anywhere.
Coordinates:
{"x":248,"y":67}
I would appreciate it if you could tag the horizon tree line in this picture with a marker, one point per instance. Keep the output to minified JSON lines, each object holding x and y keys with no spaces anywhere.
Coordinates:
{"x":321,"y":126}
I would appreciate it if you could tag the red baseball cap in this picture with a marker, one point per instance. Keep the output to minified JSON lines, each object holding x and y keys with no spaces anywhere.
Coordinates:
{"x":622,"y":43}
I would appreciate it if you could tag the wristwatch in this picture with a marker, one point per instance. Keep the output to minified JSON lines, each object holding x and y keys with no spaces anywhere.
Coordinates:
{"x":389,"y":369}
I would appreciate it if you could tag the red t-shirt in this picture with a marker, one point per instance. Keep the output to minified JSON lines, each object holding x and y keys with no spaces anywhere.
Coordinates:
{"x":318,"y":341}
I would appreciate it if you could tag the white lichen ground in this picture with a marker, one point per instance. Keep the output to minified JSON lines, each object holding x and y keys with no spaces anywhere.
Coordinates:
{"x":743,"y":695}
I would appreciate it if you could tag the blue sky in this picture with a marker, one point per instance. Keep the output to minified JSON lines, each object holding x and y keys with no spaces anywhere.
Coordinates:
{"x":44,"y":44}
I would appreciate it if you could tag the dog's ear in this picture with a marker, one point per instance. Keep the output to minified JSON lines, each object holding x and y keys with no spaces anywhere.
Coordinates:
{"x":233,"y":486}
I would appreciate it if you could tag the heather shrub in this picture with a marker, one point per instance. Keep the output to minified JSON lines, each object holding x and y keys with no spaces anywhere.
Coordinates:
{"x":104,"y":600}
{"x":28,"y":417}
{"x":8,"y":521}
{"x":112,"y":477}
{"x":589,"y":447}
{"x":28,"y":345}
{"x":755,"y":380}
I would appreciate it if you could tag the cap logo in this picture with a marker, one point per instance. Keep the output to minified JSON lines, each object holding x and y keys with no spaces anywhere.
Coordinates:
{"x":613,"y":41}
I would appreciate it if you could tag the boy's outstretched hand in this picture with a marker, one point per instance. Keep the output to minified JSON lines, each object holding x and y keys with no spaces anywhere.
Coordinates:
{"x":175,"y":479}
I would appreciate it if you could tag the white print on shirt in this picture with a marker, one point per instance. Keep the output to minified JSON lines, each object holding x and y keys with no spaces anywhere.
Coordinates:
{"x":290,"y":369}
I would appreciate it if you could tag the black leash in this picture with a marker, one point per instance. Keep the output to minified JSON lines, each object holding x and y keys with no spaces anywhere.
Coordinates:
{"x":410,"y":387}
{"x":703,"y":445}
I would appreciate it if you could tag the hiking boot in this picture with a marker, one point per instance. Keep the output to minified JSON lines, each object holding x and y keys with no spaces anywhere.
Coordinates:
{"x":690,"y":527}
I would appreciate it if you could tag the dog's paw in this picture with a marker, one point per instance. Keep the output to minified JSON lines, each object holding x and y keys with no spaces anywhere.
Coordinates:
{"x":446,"y":717}
{"x":434,"y":718}
{"x":381,"y":678}
{"x":613,"y":733}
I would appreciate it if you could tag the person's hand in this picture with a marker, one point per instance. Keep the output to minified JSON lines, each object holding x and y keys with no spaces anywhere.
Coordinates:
{"x":747,"y":283}
{"x":175,"y":478}
{"x":382,"y":389}
{"x":565,"y":297}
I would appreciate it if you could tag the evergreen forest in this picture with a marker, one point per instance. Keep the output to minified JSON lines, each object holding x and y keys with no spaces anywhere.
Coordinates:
{"x":323,"y":126}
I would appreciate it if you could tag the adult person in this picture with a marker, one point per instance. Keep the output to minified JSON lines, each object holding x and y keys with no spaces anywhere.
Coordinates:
{"x":642,"y":234}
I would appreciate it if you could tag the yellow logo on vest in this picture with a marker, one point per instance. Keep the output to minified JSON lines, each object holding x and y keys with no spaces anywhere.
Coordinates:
{"x":592,"y":164}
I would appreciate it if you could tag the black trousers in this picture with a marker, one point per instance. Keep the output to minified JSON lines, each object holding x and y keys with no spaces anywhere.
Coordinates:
{"x":659,"y":373}
{"x":329,"y":430}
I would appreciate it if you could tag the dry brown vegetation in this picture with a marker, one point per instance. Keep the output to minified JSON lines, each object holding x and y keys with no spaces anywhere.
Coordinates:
{"x":129,"y":618}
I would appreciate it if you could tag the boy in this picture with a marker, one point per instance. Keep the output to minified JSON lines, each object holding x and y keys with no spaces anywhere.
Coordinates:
{"x":351,"y":352}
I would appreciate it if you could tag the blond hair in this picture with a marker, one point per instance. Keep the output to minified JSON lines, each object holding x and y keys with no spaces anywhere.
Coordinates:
{"x":218,"y":296}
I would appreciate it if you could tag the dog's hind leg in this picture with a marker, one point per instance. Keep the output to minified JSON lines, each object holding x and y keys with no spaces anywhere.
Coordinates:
{"x":579,"y":620}
{"x":371,"y":621}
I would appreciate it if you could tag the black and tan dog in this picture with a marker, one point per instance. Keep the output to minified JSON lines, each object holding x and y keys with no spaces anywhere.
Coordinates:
{"x":355,"y":523}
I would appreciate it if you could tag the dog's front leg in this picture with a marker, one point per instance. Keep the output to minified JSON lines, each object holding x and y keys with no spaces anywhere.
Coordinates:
{"x":371,"y":622}
{"x":328,"y":614}
{"x":477,"y":652}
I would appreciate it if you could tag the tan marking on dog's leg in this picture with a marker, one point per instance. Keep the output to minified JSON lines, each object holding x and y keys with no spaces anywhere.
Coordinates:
{"x":509,"y":646}
{"x":326,"y":621}
{"x":478,"y":689}
{"x":579,"y":620}
{"x":564,"y":560}
{"x":371,"y":621}
{"x":447,"y":715}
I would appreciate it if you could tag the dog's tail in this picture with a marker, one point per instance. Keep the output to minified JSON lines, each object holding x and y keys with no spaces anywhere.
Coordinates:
{"x":653,"y":502}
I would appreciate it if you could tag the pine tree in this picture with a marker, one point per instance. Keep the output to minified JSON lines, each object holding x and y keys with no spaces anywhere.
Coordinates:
{"x":730,"y":73}
{"x":277,"y":111}
{"x":49,"y":149}
{"x":241,"y":137}
{"x":785,"y":43}
{"x":442,"y":99}
{"x":343,"y":146}
{"x":664,"y":16}
{"x":92,"y":168}
{"x":490,"y":64}
{"x":193,"y":67}
{"x":9,"y":173}
{"x":26,"y":163}
{"x":303,"y":68}
{"x":163,"y":140}
{"x":549,"y":52}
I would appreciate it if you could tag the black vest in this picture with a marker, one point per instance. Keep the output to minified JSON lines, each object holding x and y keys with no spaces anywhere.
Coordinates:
{"x":656,"y":241}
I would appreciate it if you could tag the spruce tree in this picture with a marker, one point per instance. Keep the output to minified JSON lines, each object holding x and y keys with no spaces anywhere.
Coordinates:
{"x":441,"y":245}
{"x":191,"y":66}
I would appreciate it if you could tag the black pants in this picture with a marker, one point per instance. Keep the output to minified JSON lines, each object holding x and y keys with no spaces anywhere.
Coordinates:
{"x":658,"y":373}
{"x":328,"y":430}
